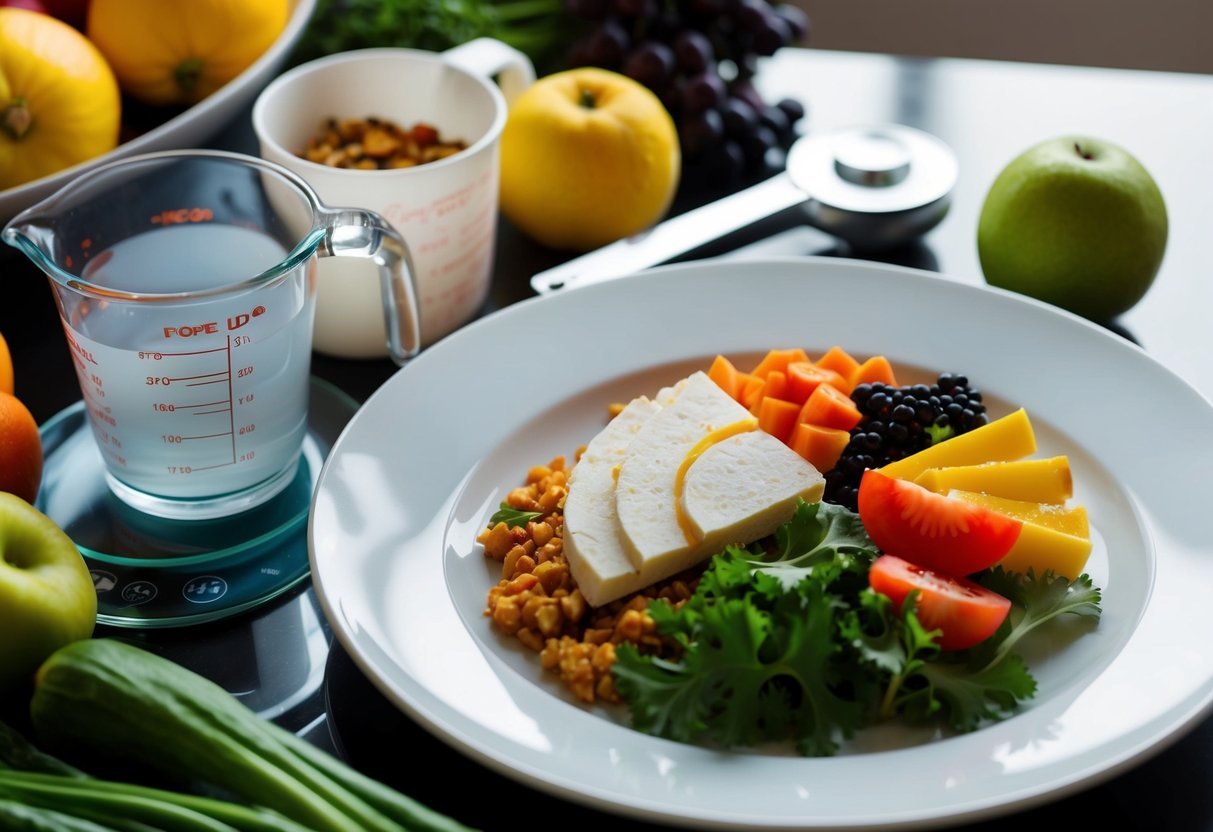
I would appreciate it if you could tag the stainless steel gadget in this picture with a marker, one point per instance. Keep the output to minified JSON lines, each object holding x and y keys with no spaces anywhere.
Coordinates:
{"x":874,"y":186}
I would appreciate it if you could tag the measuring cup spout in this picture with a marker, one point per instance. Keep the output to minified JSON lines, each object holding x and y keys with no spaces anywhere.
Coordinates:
{"x":34,"y":235}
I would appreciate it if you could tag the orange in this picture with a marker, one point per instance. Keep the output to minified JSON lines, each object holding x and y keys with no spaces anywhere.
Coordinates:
{"x":6,"y":368}
{"x":59,"y":101}
{"x":20,"y":449}
{"x":179,"y":53}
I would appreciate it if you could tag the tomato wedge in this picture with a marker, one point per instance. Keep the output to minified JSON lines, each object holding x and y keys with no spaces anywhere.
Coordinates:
{"x":966,"y":613}
{"x":944,"y":534}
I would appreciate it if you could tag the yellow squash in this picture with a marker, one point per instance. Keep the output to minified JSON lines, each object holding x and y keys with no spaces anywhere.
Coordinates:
{"x":59,"y":102}
{"x":181,"y":52}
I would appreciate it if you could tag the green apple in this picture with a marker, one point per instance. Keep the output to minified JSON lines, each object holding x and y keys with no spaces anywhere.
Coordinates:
{"x":46,"y":593}
{"x":1076,"y":222}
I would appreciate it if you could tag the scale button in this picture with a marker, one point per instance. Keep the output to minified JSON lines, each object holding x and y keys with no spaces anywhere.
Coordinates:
{"x":103,"y":581}
{"x":204,"y":589}
{"x":138,"y":592}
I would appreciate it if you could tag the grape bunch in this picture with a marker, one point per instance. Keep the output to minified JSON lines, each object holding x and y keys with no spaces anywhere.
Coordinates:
{"x":898,"y":422}
{"x":699,"y":57}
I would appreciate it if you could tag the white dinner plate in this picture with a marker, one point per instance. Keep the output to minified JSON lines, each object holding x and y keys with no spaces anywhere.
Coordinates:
{"x":189,"y":128}
{"x":427,"y":459}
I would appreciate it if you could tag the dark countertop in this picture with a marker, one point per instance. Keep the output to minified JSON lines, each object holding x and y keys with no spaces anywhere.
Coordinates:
{"x":281,"y":659}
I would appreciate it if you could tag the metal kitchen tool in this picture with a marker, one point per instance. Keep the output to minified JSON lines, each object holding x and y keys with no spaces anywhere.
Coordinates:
{"x":874,"y":186}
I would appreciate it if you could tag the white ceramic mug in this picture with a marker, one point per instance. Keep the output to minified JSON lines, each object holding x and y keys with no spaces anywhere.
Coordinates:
{"x":446,"y":210}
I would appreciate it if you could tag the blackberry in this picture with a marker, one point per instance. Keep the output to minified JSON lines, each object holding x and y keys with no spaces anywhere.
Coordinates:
{"x":898,"y":422}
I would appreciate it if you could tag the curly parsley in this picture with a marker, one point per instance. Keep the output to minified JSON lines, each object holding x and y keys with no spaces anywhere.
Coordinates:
{"x":790,"y":642}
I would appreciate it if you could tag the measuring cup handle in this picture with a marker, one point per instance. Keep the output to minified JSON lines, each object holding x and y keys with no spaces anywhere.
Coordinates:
{"x":489,"y":57}
{"x":354,"y":233}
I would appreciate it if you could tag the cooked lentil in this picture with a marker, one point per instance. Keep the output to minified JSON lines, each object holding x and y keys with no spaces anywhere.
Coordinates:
{"x":377,"y":144}
{"x":537,"y":601}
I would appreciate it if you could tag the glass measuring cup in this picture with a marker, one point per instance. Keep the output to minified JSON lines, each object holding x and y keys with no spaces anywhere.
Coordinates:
{"x":185,"y":282}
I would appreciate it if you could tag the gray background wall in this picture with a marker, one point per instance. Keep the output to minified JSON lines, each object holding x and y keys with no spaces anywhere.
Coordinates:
{"x":1174,"y":35}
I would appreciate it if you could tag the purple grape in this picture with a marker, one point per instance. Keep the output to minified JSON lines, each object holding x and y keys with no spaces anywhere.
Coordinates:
{"x":651,"y":63}
{"x":739,"y":117}
{"x":757,"y":143}
{"x":725,"y":162}
{"x":693,"y":51}
{"x":776,"y":119}
{"x":792,"y":108}
{"x":700,"y":132}
{"x":607,"y":45}
{"x":744,"y":90}
{"x":751,"y":14}
{"x":772,"y":35}
{"x":707,"y":8}
{"x":796,"y":19}
{"x":703,"y":92}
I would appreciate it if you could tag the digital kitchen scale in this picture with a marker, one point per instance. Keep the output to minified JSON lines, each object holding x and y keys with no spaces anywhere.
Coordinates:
{"x":155,"y":572}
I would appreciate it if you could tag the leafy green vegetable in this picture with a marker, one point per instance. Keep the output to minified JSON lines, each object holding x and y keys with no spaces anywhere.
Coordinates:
{"x":818,"y":534}
{"x":789,"y":641}
{"x":762,"y":659}
{"x":512,"y":516}
{"x":1038,"y":600}
{"x":759,"y":664}
{"x":540,"y":28}
{"x":56,"y":796}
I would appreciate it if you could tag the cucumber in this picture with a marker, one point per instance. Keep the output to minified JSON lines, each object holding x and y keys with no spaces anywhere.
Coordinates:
{"x":118,"y":699}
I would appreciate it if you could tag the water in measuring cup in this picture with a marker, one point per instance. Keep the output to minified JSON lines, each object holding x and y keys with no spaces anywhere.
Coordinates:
{"x":200,"y":398}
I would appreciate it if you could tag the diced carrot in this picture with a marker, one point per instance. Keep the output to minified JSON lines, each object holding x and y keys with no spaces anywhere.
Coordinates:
{"x":804,"y":376}
{"x":779,"y":360}
{"x":726,"y":376}
{"x":821,"y":446}
{"x":876,"y":368}
{"x":751,"y":389}
{"x":829,"y":407}
{"x":778,"y":417}
{"x":840,"y":361}
{"x":774,"y":387}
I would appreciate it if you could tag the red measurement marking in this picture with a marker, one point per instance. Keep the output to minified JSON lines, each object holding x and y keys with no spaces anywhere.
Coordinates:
{"x":203,"y":404}
{"x":195,"y":352}
{"x":211,"y":412}
{"x":208,"y":436}
{"x":201,"y":375}
{"x":182,"y":215}
{"x":231,"y":417}
{"x":79,"y":350}
{"x":212,"y":467}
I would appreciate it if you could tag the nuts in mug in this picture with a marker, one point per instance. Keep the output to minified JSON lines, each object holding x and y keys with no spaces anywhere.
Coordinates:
{"x":376,"y":144}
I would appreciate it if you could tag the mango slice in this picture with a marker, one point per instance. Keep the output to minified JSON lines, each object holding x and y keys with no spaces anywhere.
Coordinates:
{"x":1002,"y":440}
{"x":1053,"y":536}
{"x":1032,"y":480}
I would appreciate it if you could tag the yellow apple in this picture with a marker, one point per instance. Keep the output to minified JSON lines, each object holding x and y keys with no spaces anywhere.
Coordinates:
{"x":588,"y":156}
